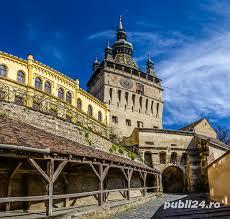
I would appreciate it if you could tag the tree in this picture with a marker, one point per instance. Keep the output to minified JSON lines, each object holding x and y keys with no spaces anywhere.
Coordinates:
{"x":223,"y":134}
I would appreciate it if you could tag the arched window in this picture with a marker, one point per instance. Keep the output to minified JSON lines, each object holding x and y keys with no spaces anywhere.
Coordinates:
{"x":21,"y":77}
{"x":152,"y":107}
{"x":162,"y":156}
{"x":47,"y":87}
{"x":111,"y":93}
{"x":79,"y":104}
{"x":3,"y":71}
{"x":173,"y":158}
{"x":38,"y":83}
{"x":127,"y":98}
{"x":133,"y":99}
{"x":146,"y":105}
{"x":119,"y":95}
{"x":90,"y":110}
{"x":99,"y":116}
{"x":61,"y":93}
{"x":68,"y":97}
{"x":157,"y":109}
{"x":140,"y":101}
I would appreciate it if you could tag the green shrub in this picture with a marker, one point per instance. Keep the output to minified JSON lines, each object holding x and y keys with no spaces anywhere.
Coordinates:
{"x":132,"y":155}
{"x":121,"y":150}
{"x":3,"y":114}
{"x":113,"y":148}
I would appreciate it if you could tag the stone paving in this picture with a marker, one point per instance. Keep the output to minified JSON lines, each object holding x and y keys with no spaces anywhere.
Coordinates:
{"x":147,"y":210}
{"x":154,"y":209}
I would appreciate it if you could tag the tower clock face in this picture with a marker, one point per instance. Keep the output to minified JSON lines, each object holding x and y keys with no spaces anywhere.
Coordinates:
{"x":126,"y":83}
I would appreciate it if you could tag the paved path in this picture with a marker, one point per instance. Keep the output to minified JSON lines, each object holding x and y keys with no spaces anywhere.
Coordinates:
{"x":148,"y":209}
{"x":154,"y":209}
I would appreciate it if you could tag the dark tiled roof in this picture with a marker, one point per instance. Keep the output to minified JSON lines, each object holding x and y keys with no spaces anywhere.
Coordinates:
{"x":18,"y":133}
{"x":191,"y":126}
{"x":169,"y":131}
{"x":213,"y":141}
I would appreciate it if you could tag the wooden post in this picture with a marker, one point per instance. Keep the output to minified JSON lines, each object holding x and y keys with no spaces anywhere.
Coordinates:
{"x":10,"y":180}
{"x":66,"y":182}
{"x":128,"y":177}
{"x":50,"y":167}
{"x":100,"y":195}
{"x":101,"y":174}
{"x":130,"y":173}
{"x":143,"y":176}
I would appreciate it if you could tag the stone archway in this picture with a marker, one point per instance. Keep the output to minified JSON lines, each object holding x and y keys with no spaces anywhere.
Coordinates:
{"x":173,"y":180}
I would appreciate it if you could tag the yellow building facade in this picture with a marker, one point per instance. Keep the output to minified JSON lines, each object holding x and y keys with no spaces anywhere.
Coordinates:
{"x":37,"y":86}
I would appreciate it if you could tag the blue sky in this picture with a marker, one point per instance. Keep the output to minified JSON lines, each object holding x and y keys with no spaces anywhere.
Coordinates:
{"x":189,"y":42}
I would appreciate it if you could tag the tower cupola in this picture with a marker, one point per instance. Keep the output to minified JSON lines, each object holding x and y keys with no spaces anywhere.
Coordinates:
{"x":150,"y":66}
{"x":122,"y":45}
{"x":96,"y":64}
{"x":108,"y":51}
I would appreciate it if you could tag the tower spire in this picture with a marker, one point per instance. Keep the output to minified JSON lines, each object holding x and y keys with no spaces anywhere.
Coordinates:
{"x":120,"y":23}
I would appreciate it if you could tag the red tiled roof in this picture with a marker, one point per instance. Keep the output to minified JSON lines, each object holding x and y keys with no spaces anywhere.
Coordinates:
{"x":13,"y":132}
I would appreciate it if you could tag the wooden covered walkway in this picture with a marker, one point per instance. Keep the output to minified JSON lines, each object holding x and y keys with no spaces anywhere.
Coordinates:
{"x":40,"y":171}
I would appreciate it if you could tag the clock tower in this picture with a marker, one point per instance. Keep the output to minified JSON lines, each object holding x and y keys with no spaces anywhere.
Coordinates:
{"x":133,"y":96}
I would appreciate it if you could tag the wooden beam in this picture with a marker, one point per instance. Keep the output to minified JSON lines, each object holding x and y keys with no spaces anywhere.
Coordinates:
{"x":50,"y":167}
{"x":141,"y":175}
{"x":144,"y":179}
{"x":58,"y":170}
{"x":100,"y":195}
{"x":123,"y":171}
{"x":105,"y":173}
{"x":130,"y":173}
{"x":94,"y":170}
{"x":39,"y":169}
{"x":15,"y":170}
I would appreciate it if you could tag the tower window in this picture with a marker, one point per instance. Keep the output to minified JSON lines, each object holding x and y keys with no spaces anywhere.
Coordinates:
{"x":38,"y":83}
{"x":152,"y":107}
{"x":128,"y":122}
{"x":47,"y":87}
{"x":119,"y":95}
{"x":140,"y":101}
{"x":140,"y":124}
{"x":146,"y":105}
{"x":133,"y":99}
{"x":3,"y":71}
{"x":157,"y":108}
{"x":140,"y":88}
{"x":21,"y":77}
{"x":127,"y":97}
{"x":111,"y":93}
{"x":114,"y":119}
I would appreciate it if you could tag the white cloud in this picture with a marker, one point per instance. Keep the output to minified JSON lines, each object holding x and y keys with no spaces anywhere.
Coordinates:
{"x":108,"y":34}
{"x":198,"y":76}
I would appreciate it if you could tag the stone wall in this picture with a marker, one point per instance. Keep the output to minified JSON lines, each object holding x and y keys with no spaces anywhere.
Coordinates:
{"x":55,"y":125}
